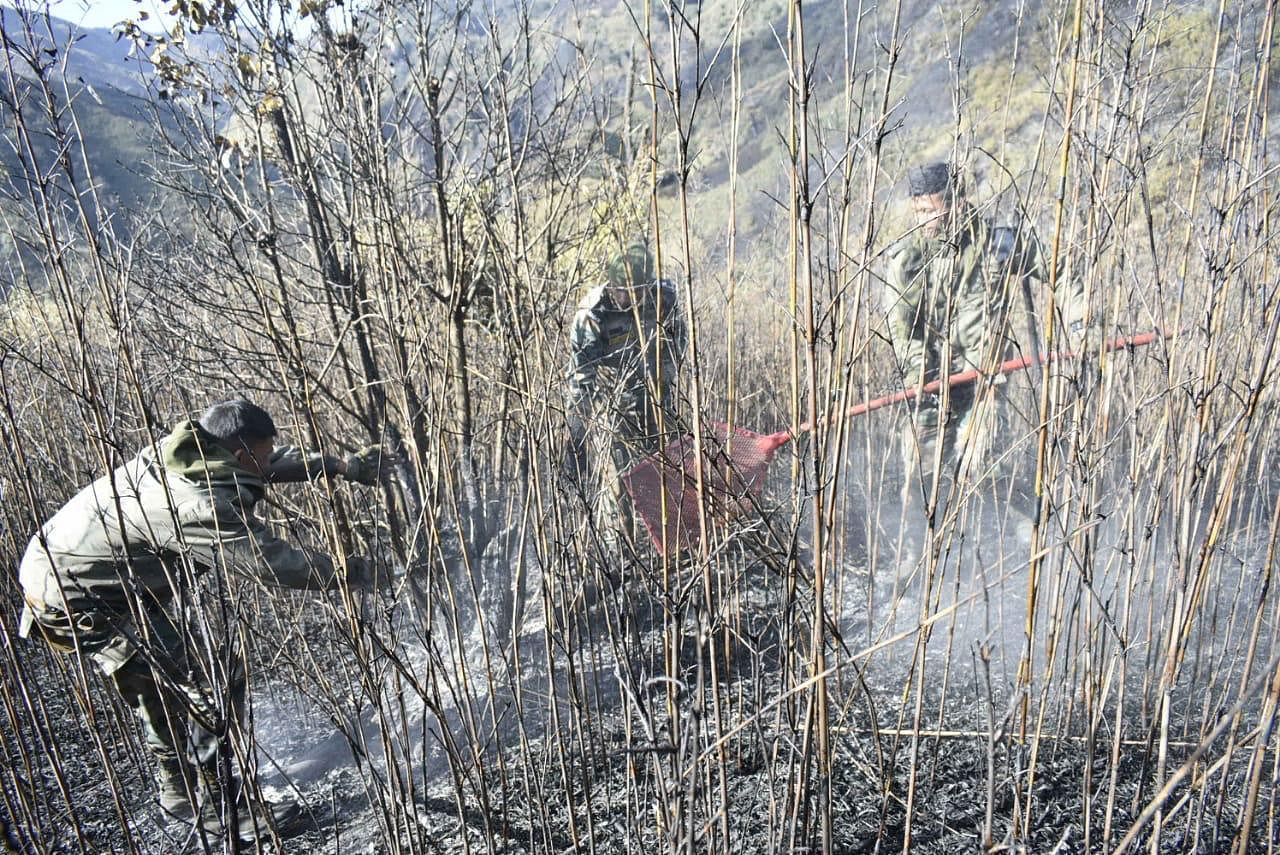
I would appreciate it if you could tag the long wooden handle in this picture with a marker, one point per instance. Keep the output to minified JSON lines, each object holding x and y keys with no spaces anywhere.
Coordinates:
{"x":1006,"y":367}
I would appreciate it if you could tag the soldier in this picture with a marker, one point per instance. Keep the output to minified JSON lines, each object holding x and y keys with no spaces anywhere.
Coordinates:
{"x":112,"y":575}
{"x":950,"y":288}
{"x":627,"y":340}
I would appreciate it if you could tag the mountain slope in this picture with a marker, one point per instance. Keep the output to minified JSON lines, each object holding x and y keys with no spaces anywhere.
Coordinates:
{"x":93,"y":74}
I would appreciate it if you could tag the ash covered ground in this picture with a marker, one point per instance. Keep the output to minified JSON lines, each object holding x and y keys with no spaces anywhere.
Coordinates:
{"x":566,"y":763}
{"x":620,"y":720}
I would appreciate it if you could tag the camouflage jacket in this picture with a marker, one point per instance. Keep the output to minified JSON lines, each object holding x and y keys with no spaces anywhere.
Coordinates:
{"x":623,"y":356}
{"x":135,"y":538}
{"x":958,"y":288}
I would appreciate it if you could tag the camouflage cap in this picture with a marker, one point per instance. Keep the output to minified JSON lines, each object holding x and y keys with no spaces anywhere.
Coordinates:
{"x":930,"y":178}
{"x":631,"y":268}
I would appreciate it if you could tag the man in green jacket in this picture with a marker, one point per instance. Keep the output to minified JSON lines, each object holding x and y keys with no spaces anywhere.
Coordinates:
{"x":113,"y":573}
{"x":951,"y":284}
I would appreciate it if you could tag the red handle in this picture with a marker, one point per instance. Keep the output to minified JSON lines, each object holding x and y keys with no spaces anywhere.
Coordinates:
{"x":964,"y":377}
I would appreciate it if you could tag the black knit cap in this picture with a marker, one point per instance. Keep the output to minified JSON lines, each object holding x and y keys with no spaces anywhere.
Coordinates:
{"x":930,"y":178}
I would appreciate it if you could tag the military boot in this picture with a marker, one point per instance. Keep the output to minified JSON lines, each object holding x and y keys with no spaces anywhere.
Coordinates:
{"x":176,"y":790}
{"x":254,"y":819}
{"x":260,"y":820}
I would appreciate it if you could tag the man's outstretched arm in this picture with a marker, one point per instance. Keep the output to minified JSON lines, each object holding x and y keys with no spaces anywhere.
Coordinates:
{"x":290,"y":464}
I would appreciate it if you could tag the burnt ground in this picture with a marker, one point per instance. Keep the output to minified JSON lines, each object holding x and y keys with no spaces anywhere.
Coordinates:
{"x":590,"y":779}
{"x":603,"y":788}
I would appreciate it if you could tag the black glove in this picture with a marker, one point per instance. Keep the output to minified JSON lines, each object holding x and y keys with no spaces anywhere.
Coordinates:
{"x":926,"y":401}
{"x":1077,"y":336}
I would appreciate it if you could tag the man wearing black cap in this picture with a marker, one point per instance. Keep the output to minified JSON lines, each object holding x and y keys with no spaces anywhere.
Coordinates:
{"x":949,"y":291}
{"x":114,"y":577}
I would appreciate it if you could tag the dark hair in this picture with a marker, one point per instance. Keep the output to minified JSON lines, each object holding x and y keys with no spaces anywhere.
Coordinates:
{"x":237,"y":422}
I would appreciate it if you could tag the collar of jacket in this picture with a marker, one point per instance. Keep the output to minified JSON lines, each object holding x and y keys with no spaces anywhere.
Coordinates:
{"x":192,"y":453}
{"x":964,"y":234}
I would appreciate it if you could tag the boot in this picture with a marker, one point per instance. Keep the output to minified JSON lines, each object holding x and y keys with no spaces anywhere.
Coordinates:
{"x":175,"y":790}
{"x":259,"y":820}
{"x":284,"y":819}
{"x":254,"y":819}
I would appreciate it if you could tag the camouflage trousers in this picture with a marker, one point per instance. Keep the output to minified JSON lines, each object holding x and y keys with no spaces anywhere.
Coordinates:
{"x":964,"y":429}
{"x":626,"y":430}
{"x":972,"y":460}
{"x":149,"y":668}
{"x":614,"y":518}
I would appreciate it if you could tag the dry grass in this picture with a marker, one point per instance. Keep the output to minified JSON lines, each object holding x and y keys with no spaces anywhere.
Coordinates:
{"x":1097,"y":673}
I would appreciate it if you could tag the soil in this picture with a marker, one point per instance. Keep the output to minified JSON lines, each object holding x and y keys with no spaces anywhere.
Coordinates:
{"x":615,"y":784}
{"x":620,"y":754}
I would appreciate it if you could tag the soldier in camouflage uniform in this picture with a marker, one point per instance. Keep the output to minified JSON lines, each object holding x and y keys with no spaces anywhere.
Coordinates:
{"x":111,"y":574}
{"x":950,"y":288}
{"x":626,"y":342}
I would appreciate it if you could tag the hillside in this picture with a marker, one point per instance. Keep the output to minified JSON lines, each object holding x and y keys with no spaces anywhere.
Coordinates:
{"x":99,"y":89}
{"x":982,"y":84}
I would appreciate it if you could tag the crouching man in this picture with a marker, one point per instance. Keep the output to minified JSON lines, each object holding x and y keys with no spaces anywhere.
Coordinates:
{"x":113,"y":577}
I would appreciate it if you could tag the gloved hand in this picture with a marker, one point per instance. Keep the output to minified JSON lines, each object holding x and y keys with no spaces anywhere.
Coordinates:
{"x":1077,"y":334}
{"x":364,"y":466}
{"x":926,"y":402}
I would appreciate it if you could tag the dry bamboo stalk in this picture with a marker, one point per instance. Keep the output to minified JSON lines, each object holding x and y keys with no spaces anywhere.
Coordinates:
{"x":1047,"y":737}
